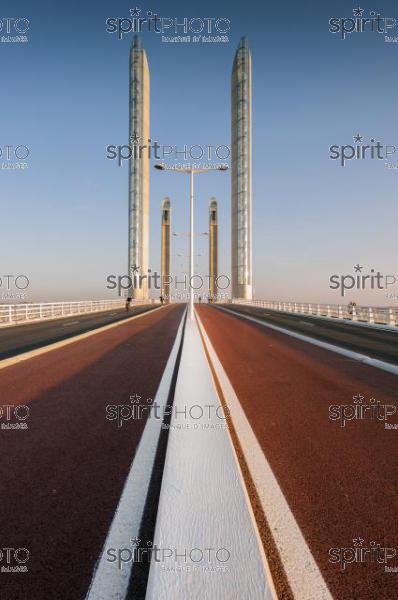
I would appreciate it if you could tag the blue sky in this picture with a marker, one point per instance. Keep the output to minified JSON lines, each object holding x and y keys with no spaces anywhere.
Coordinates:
{"x":65,"y":95}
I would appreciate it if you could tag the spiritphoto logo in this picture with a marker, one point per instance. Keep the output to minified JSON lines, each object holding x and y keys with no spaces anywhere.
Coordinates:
{"x":161,"y":152}
{"x":178,"y":29}
{"x":361,"y":150}
{"x":184,"y":559}
{"x":363,"y":22}
{"x":13,"y":30}
{"x":360,"y":553}
{"x":14,"y":157}
{"x":13,"y":560}
{"x":374,"y":280}
{"x":13,"y":287}
{"x":207,"y":416}
{"x":360,"y":410}
{"x":155,"y":281}
{"x":14,"y":416}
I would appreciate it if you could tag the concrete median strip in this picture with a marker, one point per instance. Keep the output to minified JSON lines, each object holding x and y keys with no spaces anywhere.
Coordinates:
{"x":206,"y":538}
{"x":7,"y":362}
{"x":303,"y":575}
{"x":109,"y":582}
{"x":362,"y":358}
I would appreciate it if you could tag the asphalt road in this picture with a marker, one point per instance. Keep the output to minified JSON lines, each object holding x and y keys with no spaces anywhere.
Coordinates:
{"x":62,"y":477}
{"x":340,"y":482}
{"x":371,"y":341}
{"x":22,"y":338}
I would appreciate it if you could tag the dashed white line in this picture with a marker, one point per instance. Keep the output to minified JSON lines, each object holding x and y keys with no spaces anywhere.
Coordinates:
{"x":70,"y":323}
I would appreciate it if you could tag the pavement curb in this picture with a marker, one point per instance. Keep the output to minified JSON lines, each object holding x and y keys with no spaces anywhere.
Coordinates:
{"x":203,"y":502}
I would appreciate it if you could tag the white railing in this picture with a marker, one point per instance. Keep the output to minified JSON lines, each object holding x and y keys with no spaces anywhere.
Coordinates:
{"x":365,"y":314}
{"x":10,"y":314}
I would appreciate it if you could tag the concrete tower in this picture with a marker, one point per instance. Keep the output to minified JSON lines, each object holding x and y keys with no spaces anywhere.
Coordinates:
{"x":139,"y":171}
{"x":165,"y":258}
{"x":241,"y":172}
{"x":213,"y":249}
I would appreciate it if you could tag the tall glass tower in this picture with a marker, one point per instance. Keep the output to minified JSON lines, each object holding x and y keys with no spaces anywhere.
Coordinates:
{"x":139,"y":171}
{"x":241,"y":172}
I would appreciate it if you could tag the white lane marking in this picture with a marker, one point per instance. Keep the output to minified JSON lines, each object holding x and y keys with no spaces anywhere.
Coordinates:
{"x":337,"y":320}
{"x":203,"y":502}
{"x":6,"y":325}
{"x":7,"y":362}
{"x":70,"y":323}
{"x":303,"y":574}
{"x":110,"y":583}
{"x":362,"y":358}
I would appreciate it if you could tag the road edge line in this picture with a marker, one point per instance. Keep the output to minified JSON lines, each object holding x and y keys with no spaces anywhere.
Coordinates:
{"x":362,"y":358}
{"x":108,"y":582}
{"x":282,"y":523}
{"x":12,"y":360}
{"x":5,"y":325}
{"x":331,"y":319}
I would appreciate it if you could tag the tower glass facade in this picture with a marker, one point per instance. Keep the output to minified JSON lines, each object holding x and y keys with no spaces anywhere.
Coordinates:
{"x":241,"y":173}
{"x":139,"y":171}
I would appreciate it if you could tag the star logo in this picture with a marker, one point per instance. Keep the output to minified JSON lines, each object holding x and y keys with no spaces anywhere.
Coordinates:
{"x":135,"y":398}
{"x":358,"y":398}
{"x":358,"y":268}
{"x":358,"y":12}
{"x":358,"y":542}
{"x":134,"y":139}
{"x":134,"y":269}
{"x":135,"y":542}
{"x":135,"y":12}
{"x":358,"y":138}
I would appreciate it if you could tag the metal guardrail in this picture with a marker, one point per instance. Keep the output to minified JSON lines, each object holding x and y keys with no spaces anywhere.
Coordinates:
{"x":365,"y":314}
{"x":10,"y":314}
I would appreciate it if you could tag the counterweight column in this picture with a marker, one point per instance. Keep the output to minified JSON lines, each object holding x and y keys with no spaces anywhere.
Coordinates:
{"x":165,"y":258}
{"x":213,"y":249}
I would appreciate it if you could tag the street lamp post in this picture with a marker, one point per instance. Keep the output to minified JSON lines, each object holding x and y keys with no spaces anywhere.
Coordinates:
{"x":191,"y":249}
{"x":191,"y":259}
